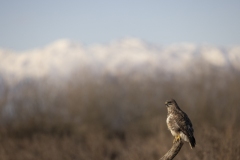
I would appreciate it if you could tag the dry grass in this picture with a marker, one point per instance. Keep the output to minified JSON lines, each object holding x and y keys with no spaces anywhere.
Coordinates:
{"x":109,"y":118}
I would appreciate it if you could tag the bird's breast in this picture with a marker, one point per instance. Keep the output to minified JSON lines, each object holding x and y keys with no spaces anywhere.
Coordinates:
{"x":169,"y":122}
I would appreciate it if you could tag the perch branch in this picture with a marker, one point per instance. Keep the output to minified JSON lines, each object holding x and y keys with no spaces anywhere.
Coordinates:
{"x":173,"y":151}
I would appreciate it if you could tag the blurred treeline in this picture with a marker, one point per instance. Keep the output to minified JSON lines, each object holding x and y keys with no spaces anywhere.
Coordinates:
{"x":120,"y":117}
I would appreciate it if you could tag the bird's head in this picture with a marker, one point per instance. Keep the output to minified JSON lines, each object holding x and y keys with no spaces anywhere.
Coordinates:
{"x":170,"y":103}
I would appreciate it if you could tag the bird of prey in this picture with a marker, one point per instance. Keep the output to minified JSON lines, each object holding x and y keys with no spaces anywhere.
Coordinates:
{"x":179,"y":124}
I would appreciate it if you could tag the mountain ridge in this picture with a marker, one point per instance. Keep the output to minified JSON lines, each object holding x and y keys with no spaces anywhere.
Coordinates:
{"x":125,"y":55}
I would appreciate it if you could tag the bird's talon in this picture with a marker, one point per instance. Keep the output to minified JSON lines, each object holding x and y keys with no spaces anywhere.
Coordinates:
{"x":176,"y":139}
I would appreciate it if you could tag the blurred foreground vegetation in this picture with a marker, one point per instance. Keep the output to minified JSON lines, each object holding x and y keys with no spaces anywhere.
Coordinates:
{"x":120,"y":117}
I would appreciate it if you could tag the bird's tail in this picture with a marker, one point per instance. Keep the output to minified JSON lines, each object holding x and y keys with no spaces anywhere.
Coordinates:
{"x":192,"y":142}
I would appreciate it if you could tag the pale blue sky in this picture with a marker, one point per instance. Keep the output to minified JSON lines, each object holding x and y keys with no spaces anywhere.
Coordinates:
{"x":27,"y":24}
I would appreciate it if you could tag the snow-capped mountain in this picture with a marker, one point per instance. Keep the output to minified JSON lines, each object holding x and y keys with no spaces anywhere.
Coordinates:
{"x":60,"y":58}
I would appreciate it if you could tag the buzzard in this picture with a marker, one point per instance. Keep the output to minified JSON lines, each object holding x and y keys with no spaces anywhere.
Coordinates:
{"x":179,"y":124}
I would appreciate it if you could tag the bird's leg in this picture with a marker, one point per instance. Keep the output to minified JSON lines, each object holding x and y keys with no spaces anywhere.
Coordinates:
{"x":177,"y":138}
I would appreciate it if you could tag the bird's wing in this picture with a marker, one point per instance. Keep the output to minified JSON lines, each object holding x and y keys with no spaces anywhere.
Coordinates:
{"x":184,"y":124}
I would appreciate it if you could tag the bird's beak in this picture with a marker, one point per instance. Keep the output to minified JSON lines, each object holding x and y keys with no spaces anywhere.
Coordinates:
{"x":166,"y":104}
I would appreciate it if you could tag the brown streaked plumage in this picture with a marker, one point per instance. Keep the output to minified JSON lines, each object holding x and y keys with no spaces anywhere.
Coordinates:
{"x":179,"y":124}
